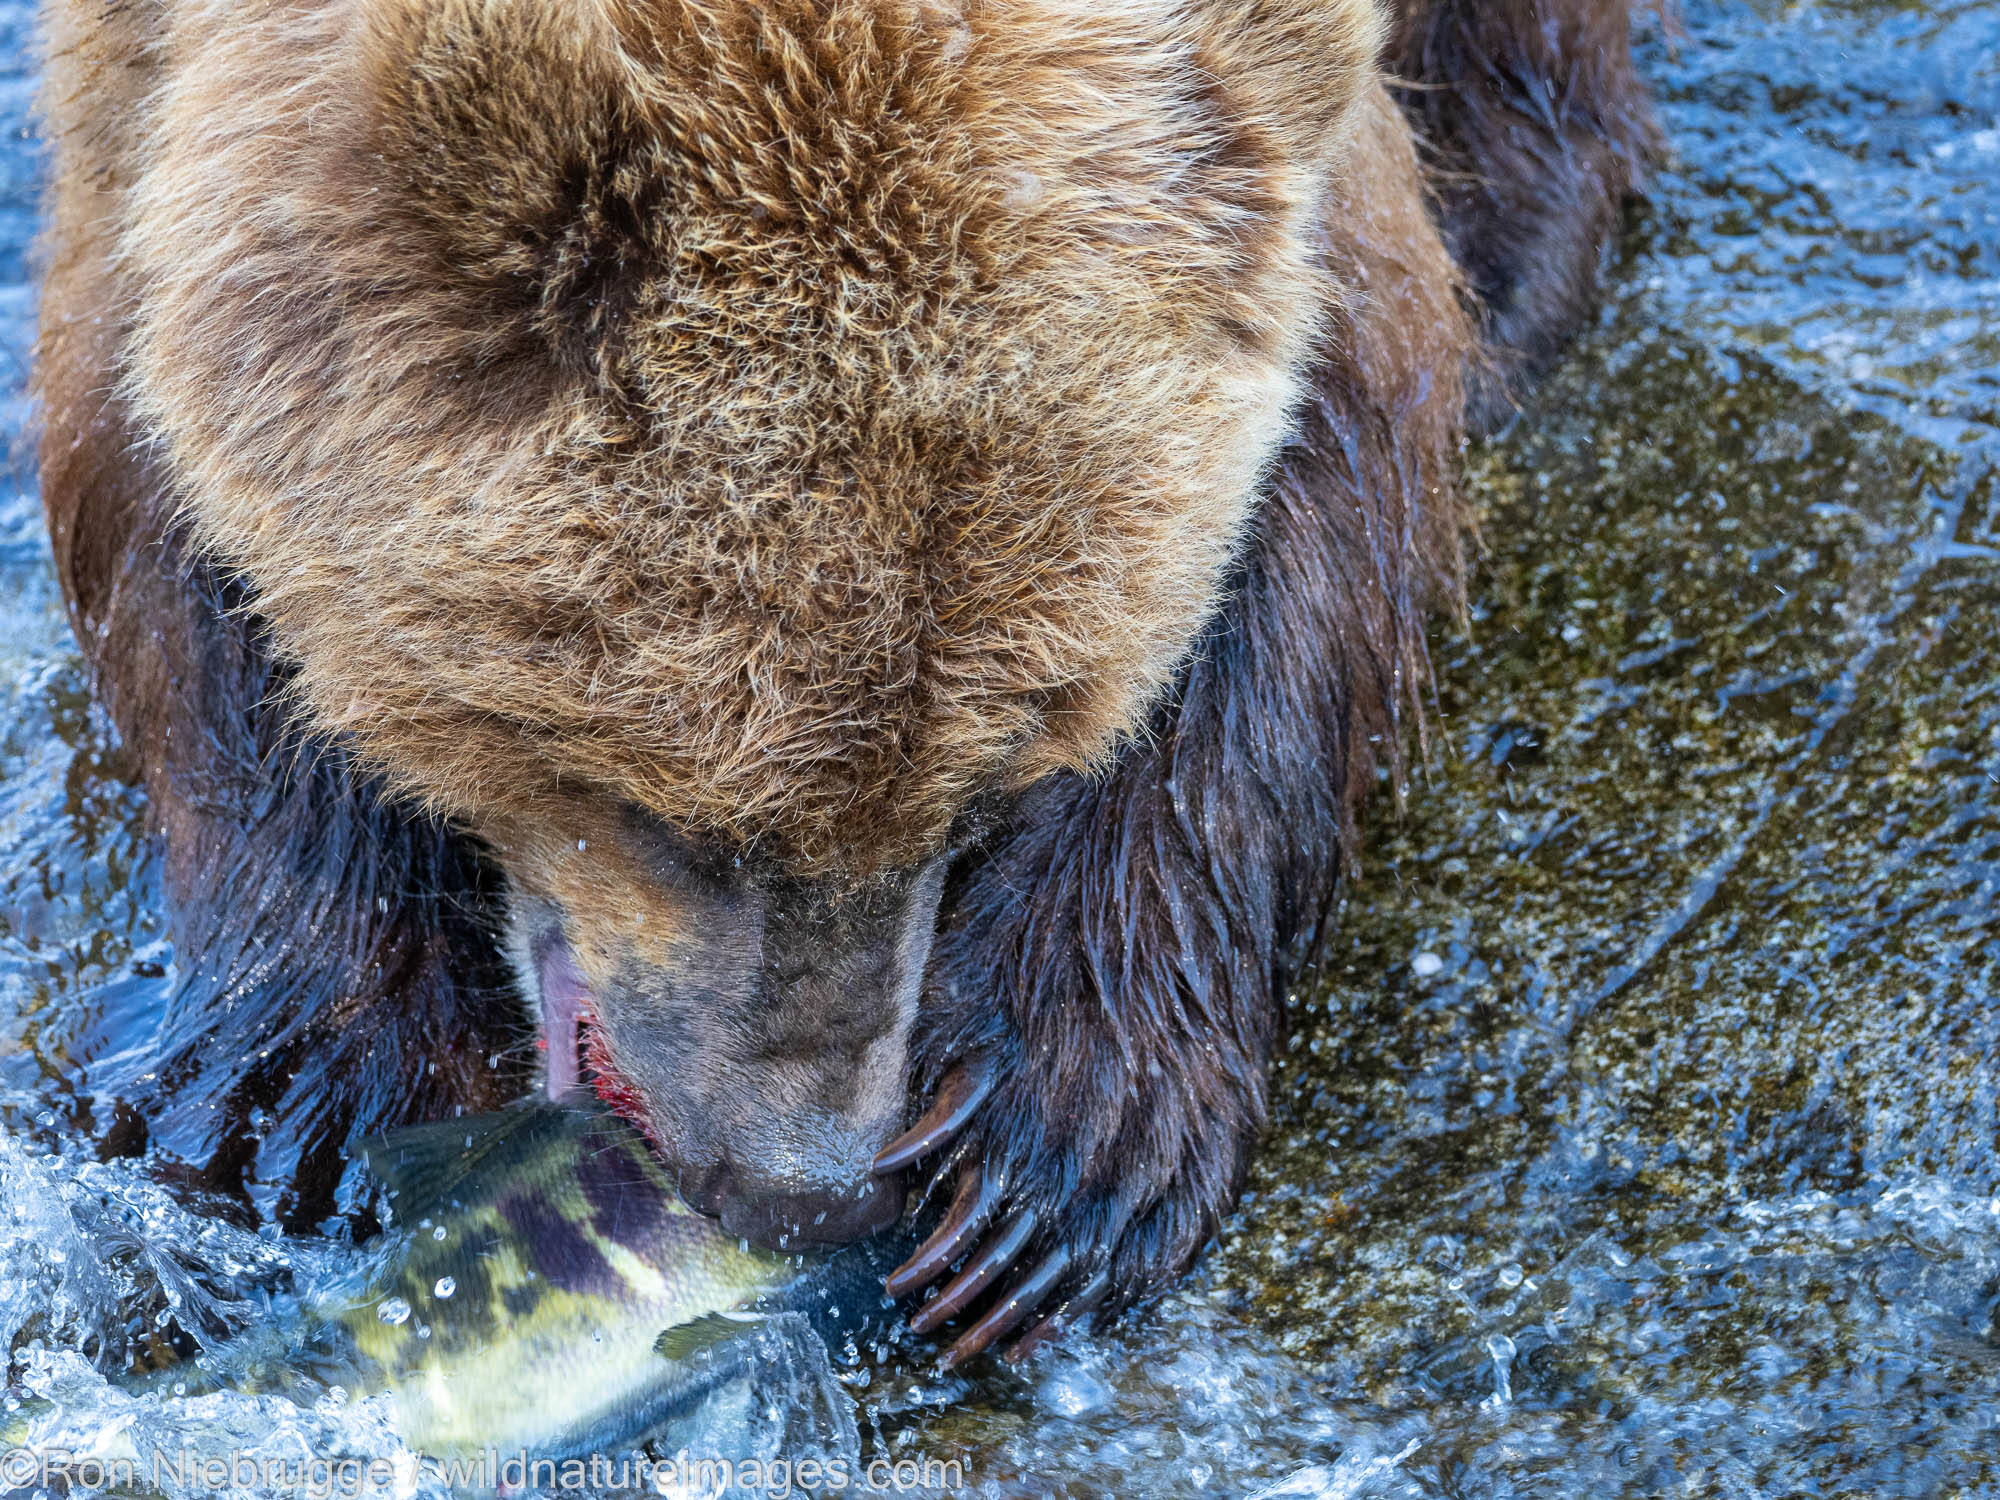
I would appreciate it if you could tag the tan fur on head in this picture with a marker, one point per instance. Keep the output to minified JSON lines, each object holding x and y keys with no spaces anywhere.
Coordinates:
{"x":788,"y":417}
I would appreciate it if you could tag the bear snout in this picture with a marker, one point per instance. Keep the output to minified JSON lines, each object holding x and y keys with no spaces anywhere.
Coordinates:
{"x":771,"y":1212}
{"x":754,"y":1021}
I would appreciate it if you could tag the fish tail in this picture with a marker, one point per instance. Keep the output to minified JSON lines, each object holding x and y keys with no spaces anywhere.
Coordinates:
{"x":18,"y":1425}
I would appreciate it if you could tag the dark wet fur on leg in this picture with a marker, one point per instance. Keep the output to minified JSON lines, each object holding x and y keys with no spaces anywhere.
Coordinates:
{"x":337,"y":974}
{"x":1534,"y":127}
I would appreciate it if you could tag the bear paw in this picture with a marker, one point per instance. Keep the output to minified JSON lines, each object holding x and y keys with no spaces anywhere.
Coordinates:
{"x":1056,"y":1212}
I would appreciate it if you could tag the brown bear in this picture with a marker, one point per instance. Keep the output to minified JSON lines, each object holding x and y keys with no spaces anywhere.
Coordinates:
{"x":863,"y":545}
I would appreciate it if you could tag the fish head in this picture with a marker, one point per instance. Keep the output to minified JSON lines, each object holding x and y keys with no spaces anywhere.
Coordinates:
{"x":752,"y":1020}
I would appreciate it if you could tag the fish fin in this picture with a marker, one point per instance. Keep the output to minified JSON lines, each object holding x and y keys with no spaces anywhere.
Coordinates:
{"x":423,"y":1165}
{"x":685,"y":1340}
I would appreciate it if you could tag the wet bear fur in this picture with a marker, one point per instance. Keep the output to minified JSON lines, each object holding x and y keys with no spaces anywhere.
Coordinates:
{"x":1175,"y":715}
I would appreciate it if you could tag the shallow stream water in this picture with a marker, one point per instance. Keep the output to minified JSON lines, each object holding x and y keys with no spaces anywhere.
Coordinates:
{"x":1642,"y":1134}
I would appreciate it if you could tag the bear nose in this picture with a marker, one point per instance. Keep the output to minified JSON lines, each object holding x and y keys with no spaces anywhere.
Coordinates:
{"x":783,"y":1216}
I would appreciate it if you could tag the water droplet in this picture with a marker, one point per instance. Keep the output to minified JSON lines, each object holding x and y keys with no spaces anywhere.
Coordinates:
{"x":438,"y":1233}
{"x":445,"y":1285}
{"x":1510,"y":1275}
{"x":395,"y":1312}
{"x":1424,"y":965}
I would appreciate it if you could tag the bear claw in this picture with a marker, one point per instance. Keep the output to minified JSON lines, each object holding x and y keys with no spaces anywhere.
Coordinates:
{"x":985,"y":1268}
{"x":978,"y":1196}
{"x":1064,"y":1318}
{"x":1015,"y":1308}
{"x":959,"y":1098}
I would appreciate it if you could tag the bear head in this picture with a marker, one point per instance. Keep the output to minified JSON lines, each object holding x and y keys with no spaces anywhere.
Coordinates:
{"x":720,"y":450}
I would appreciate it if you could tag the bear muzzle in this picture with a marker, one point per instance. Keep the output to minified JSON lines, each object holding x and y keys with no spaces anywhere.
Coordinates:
{"x":756,"y":1027}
